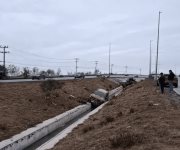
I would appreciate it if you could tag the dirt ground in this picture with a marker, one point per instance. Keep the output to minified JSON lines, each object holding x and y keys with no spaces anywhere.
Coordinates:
{"x":23,"y":105}
{"x":140,"y":119}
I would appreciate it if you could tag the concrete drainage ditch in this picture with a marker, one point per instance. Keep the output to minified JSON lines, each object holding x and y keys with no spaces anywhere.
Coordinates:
{"x":34,"y":134}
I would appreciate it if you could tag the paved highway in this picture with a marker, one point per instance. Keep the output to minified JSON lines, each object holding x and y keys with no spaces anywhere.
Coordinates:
{"x":30,"y":80}
{"x":123,"y":78}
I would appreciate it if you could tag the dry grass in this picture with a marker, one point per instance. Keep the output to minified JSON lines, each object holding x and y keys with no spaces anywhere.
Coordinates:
{"x":51,"y":85}
{"x":109,"y":119}
{"x":126,"y":139}
{"x":110,"y":103}
{"x":36,"y":105}
{"x":106,"y":120}
{"x":88,"y":128}
{"x":3,"y":127}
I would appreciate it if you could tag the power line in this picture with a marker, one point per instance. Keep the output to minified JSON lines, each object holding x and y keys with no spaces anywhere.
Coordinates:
{"x":33,"y":65}
{"x":33,"y":54}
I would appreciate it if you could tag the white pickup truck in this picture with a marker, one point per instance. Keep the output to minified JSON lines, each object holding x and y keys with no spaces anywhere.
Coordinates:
{"x":98,"y":97}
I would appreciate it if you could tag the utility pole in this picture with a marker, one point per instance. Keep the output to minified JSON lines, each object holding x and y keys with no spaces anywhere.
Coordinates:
{"x":112,"y":68}
{"x":126,"y":67}
{"x":76,"y":60}
{"x":109,"y":59}
{"x":150,"y":59}
{"x":96,"y":63}
{"x":4,"y":57}
{"x":140,"y":71}
{"x":158,"y":44}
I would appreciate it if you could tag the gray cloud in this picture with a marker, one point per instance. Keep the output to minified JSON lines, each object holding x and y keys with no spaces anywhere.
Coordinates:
{"x":66,"y":29}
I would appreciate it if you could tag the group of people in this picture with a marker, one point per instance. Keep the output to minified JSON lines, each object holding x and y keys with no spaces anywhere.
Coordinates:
{"x":162,"y":79}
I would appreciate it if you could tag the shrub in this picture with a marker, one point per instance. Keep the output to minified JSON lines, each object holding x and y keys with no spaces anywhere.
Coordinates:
{"x":109,"y":119}
{"x":131,"y":110}
{"x":106,"y":120}
{"x":126,"y":139}
{"x":3,"y":127}
{"x":88,"y":128}
{"x":110,"y":103}
{"x":119,"y":114}
{"x":110,"y":86}
{"x":51,"y":85}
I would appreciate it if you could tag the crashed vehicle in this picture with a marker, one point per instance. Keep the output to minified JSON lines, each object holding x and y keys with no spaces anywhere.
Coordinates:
{"x":98,"y":97}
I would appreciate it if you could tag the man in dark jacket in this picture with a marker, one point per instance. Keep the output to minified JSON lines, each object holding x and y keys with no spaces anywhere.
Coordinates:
{"x":170,"y":80}
{"x":161,"y":81}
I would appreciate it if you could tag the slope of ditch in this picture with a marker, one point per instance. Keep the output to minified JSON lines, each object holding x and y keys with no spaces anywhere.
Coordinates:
{"x":140,"y":119}
{"x":23,"y":105}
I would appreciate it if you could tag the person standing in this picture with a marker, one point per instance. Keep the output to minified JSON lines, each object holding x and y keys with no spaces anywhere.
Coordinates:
{"x":170,"y":80}
{"x":161,"y":81}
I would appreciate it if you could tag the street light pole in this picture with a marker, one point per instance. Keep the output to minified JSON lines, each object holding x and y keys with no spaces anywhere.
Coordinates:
{"x":96,"y":62}
{"x":150,"y":57}
{"x":109,"y":59}
{"x":112,"y":68}
{"x":158,"y":44}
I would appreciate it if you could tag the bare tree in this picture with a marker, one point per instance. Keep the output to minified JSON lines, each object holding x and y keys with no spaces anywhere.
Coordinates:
{"x":88,"y":73}
{"x":96,"y":72}
{"x":69,"y":73}
{"x":35,"y":70}
{"x":43,"y":72}
{"x":13,"y":70}
{"x":50,"y":72}
{"x":26,"y":72}
{"x":58,"y":72}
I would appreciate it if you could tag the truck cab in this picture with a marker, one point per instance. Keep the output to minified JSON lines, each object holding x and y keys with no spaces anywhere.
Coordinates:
{"x":98,"y":97}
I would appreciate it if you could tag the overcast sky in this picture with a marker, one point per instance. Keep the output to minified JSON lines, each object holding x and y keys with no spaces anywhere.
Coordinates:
{"x":51,"y":33}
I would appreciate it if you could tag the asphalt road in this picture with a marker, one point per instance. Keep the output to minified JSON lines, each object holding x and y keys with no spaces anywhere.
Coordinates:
{"x":30,"y":80}
{"x":124,"y":78}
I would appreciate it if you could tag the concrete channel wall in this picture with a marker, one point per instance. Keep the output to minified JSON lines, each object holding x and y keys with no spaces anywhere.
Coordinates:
{"x":52,"y":142}
{"x":28,"y":137}
{"x":115,"y":92}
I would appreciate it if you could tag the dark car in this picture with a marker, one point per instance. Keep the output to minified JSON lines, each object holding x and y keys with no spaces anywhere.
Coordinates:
{"x":79,"y":76}
{"x":38,"y":77}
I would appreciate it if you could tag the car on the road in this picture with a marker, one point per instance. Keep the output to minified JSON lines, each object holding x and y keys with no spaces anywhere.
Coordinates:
{"x":79,"y":76}
{"x":98,"y":97}
{"x":175,"y":81}
{"x":38,"y":77}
